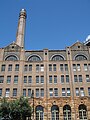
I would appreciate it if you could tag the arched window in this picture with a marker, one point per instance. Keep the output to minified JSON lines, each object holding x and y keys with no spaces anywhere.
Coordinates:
{"x":55,"y":112}
{"x":82,"y":112}
{"x":34,"y":58}
{"x":57,"y":58}
{"x":67,"y":112}
{"x":39,"y":113}
{"x":11,"y":58}
{"x":80,"y":57}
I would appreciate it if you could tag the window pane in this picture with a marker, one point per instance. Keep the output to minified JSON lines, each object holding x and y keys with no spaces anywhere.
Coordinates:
{"x":42,"y":92}
{"x":37,"y":79}
{"x":30,"y":67}
{"x":25,"y":79}
{"x":3,"y":67}
{"x":78,"y":67}
{"x":67,"y":78}
{"x":54,"y":67}
{"x":82,"y":92}
{"x":55,"y":79}
{"x":17,"y":67}
{"x":87,"y":78}
{"x":61,"y":67}
{"x":25,"y":68}
{"x":80,"y":78}
{"x":8,"y":79}
{"x":85,"y":67}
{"x":42,"y":79}
{"x":50,"y":92}
{"x":15,"y":92}
{"x":7,"y":92}
{"x":24,"y":92}
{"x":16,"y":79}
{"x":1,"y":79}
{"x":75,"y":78}
{"x":68,"y":92}
{"x":77,"y":91}
{"x":66,"y":67}
{"x":62,"y":78}
{"x":50,"y":67}
{"x":10,"y":67}
{"x":56,"y":92}
{"x":37,"y":68}
{"x":50,"y":79}
{"x":37,"y":92}
{"x":0,"y":92}
{"x":29,"y":92}
{"x":74,"y":67}
{"x":29,"y":79}
{"x":89,"y":91}
{"x":63,"y":92}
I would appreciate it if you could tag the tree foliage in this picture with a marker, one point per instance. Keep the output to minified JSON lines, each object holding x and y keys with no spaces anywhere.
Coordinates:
{"x":17,"y":109}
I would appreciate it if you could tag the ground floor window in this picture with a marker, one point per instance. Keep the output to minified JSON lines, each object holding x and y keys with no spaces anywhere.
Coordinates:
{"x":67,"y":112}
{"x":82,"y":112}
{"x":39,"y":113}
{"x":55,"y":112}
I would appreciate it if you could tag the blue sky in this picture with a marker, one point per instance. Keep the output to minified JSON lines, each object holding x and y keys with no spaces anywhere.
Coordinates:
{"x":52,"y":24}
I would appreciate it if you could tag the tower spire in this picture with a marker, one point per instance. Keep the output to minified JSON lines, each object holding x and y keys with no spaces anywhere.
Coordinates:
{"x":21,"y":28}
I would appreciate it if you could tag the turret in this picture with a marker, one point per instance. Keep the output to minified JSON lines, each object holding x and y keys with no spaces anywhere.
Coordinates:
{"x":21,"y":28}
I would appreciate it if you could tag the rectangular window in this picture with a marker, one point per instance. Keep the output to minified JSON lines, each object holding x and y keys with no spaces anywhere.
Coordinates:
{"x":37,"y":79}
{"x":54,"y":67}
{"x":87,"y":78}
{"x":50,"y":79}
{"x":67,"y":78}
{"x":42,"y":79}
{"x":55,"y":92}
{"x":30,"y":67}
{"x":7,"y":92}
{"x":75,"y":78}
{"x":37,"y":92}
{"x":74,"y":67}
{"x":61,"y":67}
{"x":66,"y":67}
{"x":25,"y":68}
{"x":15,"y":92}
{"x":80,"y":78}
{"x":16,"y":79}
{"x":55,"y":79}
{"x":63,"y":92}
{"x":8,"y":79}
{"x":42,"y":68}
{"x":42,"y":92}
{"x":89,"y":91}
{"x":0,"y":92}
{"x":50,"y":92}
{"x":50,"y":67}
{"x":68,"y":92}
{"x":29,"y":79}
{"x":1,"y":79}
{"x":25,"y":79}
{"x":89,"y":67}
{"x":17,"y":67}
{"x":77,"y":91}
{"x":24,"y":92}
{"x":29,"y":92}
{"x":82,"y":92}
{"x":3,"y":67}
{"x":85,"y":67}
{"x":78,"y":67}
{"x":62,"y":78}
{"x":37,"y":68}
{"x":10,"y":67}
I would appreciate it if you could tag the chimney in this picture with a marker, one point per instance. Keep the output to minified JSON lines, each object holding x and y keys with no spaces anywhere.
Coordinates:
{"x":21,"y":28}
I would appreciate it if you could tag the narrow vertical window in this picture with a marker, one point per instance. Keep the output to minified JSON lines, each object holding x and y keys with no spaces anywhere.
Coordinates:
{"x":42,"y":79}
{"x":78,"y":67}
{"x":77,"y":91}
{"x":25,"y":68}
{"x":55,"y":79}
{"x":16,"y":79}
{"x":61,"y":67}
{"x":8,"y":79}
{"x":55,"y":92}
{"x":62,"y":78}
{"x":15,"y":92}
{"x":87,"y":78}
{"x":67,"y":78}
{"x":50,"y":79}
{"x":30,"y":67}
{"x":80,"y":78}
{"x":24,"y":92}
{"x":25,"y":79}
{"x":42,"y":92}
{"x":37,"y":68}
{"x":7,"y":94}
{"x":10,"y":67}
{"x":0,"y":92}
{"x":37,"y":92}
{"x":82,"y":92}
{"x":50,"y":92}
{"x":85,"y":67}
{"x":3,"y":67}
{"x":42,"y":68}
{"x":1,"y":79}
{"x":75,"y":78}
{"x":74,"y":67}
{"x":29,"y":92}
{"x":29,"y":79}
{"x":37,"y":79}
{"x":63,"y":92}
{"x":54,"y":67}
{"x":17,"y":67}
{"x":68,"y":92}
{"x":89,"y":91}
{"x":66,"y":67}
{"x":50,"y":67}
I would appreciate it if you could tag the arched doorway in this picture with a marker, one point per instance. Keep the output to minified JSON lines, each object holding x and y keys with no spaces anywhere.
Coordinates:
{"x":82,"y":112}
{"x":55,"y":112}
{"x":39,"y":113}
{"x":67,"y":112}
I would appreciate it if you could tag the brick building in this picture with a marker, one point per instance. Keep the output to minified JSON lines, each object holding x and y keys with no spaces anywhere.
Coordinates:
{"x":59,"y":79}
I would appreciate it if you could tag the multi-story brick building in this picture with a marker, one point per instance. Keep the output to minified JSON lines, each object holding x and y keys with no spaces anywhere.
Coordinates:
{"x":60,"y":79}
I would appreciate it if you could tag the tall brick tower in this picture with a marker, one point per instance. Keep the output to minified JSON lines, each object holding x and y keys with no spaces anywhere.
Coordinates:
{"x":21,"y":28}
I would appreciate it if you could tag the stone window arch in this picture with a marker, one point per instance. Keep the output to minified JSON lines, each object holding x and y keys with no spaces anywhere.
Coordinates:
{"x":80,"y":57}
{"x":11,"y":58}
{"x":57,"y":58}
{"x":39,"y":112}
{"x":55,"y":112}
{"x":82,"y":112}
{"x":67,"y":112}
{"x":34,"y":58}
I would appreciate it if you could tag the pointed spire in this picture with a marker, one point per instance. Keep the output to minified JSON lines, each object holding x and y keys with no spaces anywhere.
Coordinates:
{"x":21,"y":28}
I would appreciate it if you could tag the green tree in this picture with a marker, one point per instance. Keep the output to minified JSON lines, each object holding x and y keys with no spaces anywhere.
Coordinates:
{"x":17,"y":109}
